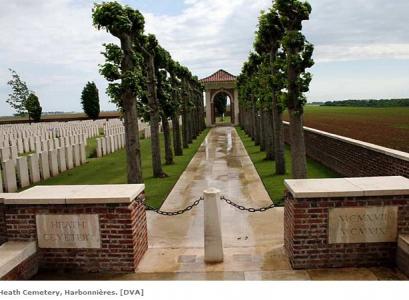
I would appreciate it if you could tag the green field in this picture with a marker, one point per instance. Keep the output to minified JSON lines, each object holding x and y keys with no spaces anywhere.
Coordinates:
{"x":388,"y":127}
{"x":274,"y":184}
{"x":111,"y":169}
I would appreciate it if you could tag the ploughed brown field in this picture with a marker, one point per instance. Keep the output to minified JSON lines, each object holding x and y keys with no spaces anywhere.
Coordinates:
{"x":388,"y":127}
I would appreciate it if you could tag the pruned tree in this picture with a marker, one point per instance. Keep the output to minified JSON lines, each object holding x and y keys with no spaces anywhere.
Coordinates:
{"x":19,"y":94}
{"x":122,"y":69}
{"x":176,"y":85}
{"x":33,"y":107}
{"x":90,"y":100}
{"x":268,"y":42}
{"x":298,"y":58}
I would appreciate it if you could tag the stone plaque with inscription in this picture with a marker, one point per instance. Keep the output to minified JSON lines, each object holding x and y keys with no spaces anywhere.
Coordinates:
{"x":68,"y":231}
{"x":363,"y":225}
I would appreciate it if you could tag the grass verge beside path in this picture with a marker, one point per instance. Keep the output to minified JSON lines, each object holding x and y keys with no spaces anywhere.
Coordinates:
{"x":111,"y":169}
{"x":274,"y":184}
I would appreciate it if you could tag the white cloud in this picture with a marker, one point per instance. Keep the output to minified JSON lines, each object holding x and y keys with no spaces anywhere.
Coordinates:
{"x":55,"y":48}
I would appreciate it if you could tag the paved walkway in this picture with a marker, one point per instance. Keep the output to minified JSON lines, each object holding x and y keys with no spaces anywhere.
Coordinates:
{"x":253,"y":243}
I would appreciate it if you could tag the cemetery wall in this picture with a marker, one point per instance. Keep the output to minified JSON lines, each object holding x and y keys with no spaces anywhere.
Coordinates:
{"x":3,"y":235}
{"x":352,"y":158}
{"x":123,"y":235}
{"x":307,"y":230}
{"x":23,"y":271}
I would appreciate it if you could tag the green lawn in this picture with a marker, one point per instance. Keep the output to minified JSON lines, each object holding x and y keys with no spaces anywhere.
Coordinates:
{"x":111,"y":169}
{"x":275,"y":184}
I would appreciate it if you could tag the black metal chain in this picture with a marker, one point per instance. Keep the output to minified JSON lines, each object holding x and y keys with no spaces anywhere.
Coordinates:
{"x":197,"y":202}
{"x":173,"y":213}
{"x":242,"y":208}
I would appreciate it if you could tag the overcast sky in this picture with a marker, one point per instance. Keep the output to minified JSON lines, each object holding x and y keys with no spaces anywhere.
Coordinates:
{"x":362,"y":47}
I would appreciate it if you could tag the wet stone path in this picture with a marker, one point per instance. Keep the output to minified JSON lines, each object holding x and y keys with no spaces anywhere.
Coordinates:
{"x":253,"y":242}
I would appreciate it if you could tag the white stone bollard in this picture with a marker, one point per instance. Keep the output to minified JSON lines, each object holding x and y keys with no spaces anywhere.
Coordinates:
{"x":34,"y":168}
{"x":212,"y":226}
{"x":22,"y":171}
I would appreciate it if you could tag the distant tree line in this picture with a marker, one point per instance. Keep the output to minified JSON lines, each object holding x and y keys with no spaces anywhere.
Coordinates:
{"x":369,"y":103}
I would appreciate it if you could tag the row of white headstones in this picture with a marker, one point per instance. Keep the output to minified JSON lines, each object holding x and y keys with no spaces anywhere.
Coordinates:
{"x":31,"y":153}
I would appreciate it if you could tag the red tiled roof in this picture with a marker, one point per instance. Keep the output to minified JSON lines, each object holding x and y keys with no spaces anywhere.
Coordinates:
{"x":219,"y":76}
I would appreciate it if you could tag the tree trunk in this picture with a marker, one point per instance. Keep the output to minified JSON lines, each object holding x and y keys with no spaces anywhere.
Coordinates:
{"x":279,"y":147}
{"x":257,"y":138}
{"x":262,"y":125}
{"x":154,"y":119}
{"x":185,"y":130}
{"x":132,"y":145}
{"x":298,"y":155}
{"x":269,"y":135}
{"x":177,"y":139}
{"x":168,"y":141}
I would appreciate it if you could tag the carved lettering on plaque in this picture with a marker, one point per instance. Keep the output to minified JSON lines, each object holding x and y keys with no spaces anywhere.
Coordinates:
{"x":68,"y":231}
{"x":363,"y":225}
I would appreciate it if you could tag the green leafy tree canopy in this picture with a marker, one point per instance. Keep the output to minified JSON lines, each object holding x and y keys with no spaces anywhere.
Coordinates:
{"x":90,"y":100}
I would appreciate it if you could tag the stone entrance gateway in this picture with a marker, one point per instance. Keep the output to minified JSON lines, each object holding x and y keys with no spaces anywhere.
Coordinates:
{"x":221,"y":82}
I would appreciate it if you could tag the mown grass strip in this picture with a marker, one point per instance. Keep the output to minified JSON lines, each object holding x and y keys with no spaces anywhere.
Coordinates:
{"x":274,"y":184}
{"x":111,"y":169}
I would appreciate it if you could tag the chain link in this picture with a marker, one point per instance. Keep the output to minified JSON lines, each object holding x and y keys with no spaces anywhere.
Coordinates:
{"x":173,"y":213}
{"x":197,"y":202}
{"x":242,"y":208}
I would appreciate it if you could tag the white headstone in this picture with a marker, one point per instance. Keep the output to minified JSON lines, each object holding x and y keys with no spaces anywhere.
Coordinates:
{"x":20,"y":148}
{"x":99,"y":147}
{"x":104,"y":146}
{"x":14,"y":153}
{"x":26,"y":146}
{"x":9,"y":175}
{"x":108,"y":144}
{"x":68,"y":157}
{"x":83,"y":154}
{"x":5,"y":153}
{"x":53,"y":162}
{"x":44,"y":166}
{"x":62,"y":163}
{"x":34,"y":168}
{"x":76,"y":155}
{"x":22,"y":171}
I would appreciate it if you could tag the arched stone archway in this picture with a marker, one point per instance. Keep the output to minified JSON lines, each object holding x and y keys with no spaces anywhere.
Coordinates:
{"x":221,"y":81}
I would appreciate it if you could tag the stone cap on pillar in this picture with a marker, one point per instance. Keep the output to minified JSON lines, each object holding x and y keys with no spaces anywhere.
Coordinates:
{"x":77,"y":194}
{"x":348,"y":187}
{"x":6,"y":196}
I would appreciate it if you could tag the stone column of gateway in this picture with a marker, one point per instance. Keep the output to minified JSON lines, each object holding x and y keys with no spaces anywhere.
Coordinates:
{"x":347,"y":222}
{"x":79,"y":228}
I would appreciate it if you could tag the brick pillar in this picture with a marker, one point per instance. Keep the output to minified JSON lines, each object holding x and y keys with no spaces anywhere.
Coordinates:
{"x":3,"y":234}
{"x":122,"y":230}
